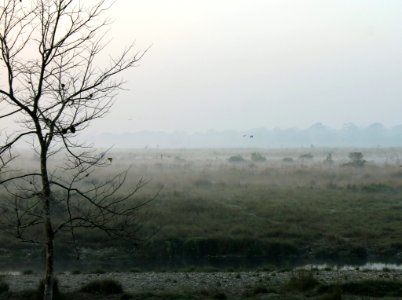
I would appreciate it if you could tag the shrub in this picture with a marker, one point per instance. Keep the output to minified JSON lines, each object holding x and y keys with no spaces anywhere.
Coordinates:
{"x":236,"y":158}
{"x":104,"y":287}
{"x":287,"y":159}
{"x":328,"y":160}
{"x":179,"y":159}
{"x":356,"y":159}
{"x":255,"y":156}
{"x":306,"y":156}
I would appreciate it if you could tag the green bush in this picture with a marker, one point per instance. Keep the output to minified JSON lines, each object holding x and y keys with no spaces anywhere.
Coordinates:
{"x":356,"y":160}
{"x":236,"y":158}
{"x":306,"y":156}
{"x":257,"y":157}
{"x":104,"y":287}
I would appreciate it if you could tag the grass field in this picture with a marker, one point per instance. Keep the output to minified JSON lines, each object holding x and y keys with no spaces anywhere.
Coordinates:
{"x":290,"y":207}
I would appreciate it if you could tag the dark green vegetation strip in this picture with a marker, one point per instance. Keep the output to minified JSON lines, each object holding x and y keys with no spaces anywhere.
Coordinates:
{"x":256,"y":221}
{"x":308,"y":211}
{"x":373,"y":288}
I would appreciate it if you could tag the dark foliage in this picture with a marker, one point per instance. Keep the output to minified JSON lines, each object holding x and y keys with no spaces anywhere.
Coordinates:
{"x":302,"y":281}
{"x":3,"y":287}
{"x":236,"y":158}
{"x":257,"y":157}
{"x":104,"y":287}
{"x":374,"y":288}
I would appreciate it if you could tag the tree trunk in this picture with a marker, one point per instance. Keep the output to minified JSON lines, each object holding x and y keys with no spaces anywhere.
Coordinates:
{"x":48,"y":282}
{"x":47,"y":196}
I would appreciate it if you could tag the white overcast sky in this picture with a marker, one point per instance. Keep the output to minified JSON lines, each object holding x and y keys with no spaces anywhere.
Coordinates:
{"x":241,"y":64}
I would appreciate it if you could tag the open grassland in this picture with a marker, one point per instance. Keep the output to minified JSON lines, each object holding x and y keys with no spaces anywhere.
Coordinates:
{"x":289,"y":207}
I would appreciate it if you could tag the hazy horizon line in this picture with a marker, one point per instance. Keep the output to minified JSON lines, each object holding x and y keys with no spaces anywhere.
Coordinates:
{"x":316,"y":125}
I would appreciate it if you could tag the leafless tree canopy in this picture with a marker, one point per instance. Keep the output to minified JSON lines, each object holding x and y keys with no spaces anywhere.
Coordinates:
{"x":52,"y":84}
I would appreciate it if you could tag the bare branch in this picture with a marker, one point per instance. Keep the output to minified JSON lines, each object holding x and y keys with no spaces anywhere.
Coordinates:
{"x":52,"y":86}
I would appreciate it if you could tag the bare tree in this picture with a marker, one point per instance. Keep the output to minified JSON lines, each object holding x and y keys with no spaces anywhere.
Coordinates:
{"x":51,"y":87}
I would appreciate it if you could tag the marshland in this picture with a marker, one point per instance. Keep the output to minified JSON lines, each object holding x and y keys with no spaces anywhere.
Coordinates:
{"x":240,"y":213}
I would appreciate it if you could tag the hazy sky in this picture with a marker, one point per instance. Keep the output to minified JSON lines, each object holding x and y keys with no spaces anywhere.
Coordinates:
{"x":241,"y":64}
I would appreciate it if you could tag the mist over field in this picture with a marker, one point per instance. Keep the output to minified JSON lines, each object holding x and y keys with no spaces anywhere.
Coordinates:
{"x":319,"y":135}
{"x":200,"y":150}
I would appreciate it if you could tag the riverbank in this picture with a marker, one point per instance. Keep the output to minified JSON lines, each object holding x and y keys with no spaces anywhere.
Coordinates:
{"x":229,"y":282}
